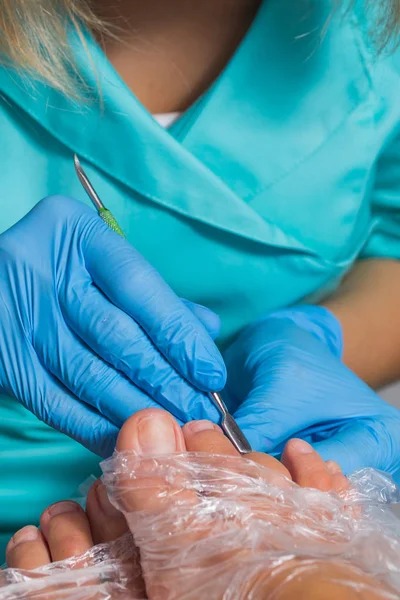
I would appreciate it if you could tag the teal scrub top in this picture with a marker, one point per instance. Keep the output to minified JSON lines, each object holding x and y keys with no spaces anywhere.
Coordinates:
{"x":262,"y":195}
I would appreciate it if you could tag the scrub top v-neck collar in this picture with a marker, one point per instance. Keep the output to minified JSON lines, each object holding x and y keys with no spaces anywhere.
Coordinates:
{"x":166,"y":167}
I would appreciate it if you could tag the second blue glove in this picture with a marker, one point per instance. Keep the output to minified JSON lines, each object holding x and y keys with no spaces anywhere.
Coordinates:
{"x":286,"y":379}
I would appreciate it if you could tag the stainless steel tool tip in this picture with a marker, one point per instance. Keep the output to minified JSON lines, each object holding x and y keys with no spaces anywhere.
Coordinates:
{"x":230,"y":427}
{"x":235,"y":434}
{"x":89,"y":189}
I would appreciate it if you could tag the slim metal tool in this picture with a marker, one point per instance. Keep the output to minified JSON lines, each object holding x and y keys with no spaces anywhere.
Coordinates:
{"x":228,"y":423}
{"x":104,"y":213}
{"x":230,"y":427}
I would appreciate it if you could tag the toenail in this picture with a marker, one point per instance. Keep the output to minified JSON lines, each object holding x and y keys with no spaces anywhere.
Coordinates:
{"x":301,"y":447}
{"x":197,"y":426}
{"x":156,"y":435}
{"x":333,"y":467}
{"x":62,"y":507}
{"x":27,"y":534}
{"x":108,"y":509}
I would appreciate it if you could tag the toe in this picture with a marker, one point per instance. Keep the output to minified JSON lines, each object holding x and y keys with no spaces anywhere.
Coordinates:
{"x":306,"y":466}
{"x":27,"y":549}
{"x":66,"y":530}
{"x":340,"y":482}
{"x":151,"y":432}
{"x":106,"y":522}
{"x":151,"y":435}
{"x":204,"y":436}
{"x":269,"y":462}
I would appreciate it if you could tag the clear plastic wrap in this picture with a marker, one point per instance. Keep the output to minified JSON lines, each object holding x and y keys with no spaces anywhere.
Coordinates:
{"x":224,"y":527}
{"x":106,"y":572}
{"x":213,"y":527}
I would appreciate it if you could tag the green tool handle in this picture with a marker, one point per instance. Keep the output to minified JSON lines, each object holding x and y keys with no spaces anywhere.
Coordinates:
{"x":110,"y":220}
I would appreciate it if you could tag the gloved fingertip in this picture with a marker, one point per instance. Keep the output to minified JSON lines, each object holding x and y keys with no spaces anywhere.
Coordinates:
{"x":196,"y":406}
{"x":212,"y":379}
{"x":211,"y":413}
{"x":208,"y":370}
{"x":212,"y":323}
{"x":208,"y":318}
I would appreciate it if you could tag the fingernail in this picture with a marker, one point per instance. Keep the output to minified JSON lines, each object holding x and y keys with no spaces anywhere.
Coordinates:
{"x":197,"y":426}
{"x":27,"y":534}
{"x":62,"y":507}
{"x":301,"y":447}
{"x":108,"y":509}
{"x":156,"y":435}
{"x":333,"y":467}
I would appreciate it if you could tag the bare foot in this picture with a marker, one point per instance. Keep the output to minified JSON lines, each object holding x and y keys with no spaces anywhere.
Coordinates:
{"x":173,"y":489}
{"x":213,"y":513}
{"x":67,"y":531}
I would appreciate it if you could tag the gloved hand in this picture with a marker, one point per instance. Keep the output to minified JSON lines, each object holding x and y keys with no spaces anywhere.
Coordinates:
{"x":89,"y":331}
{"x":286,"y":379}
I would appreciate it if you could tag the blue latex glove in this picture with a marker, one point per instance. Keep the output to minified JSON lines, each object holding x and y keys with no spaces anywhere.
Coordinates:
{"x":89,"y":331}
{"x":286,"y":379}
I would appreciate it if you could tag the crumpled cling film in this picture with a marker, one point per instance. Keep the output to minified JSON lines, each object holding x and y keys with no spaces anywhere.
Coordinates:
{"x":106,"y":572}
{"x":211,"y":527}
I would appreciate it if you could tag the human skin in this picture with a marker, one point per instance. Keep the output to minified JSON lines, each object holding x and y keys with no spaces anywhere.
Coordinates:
{"x":67,"y":531}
